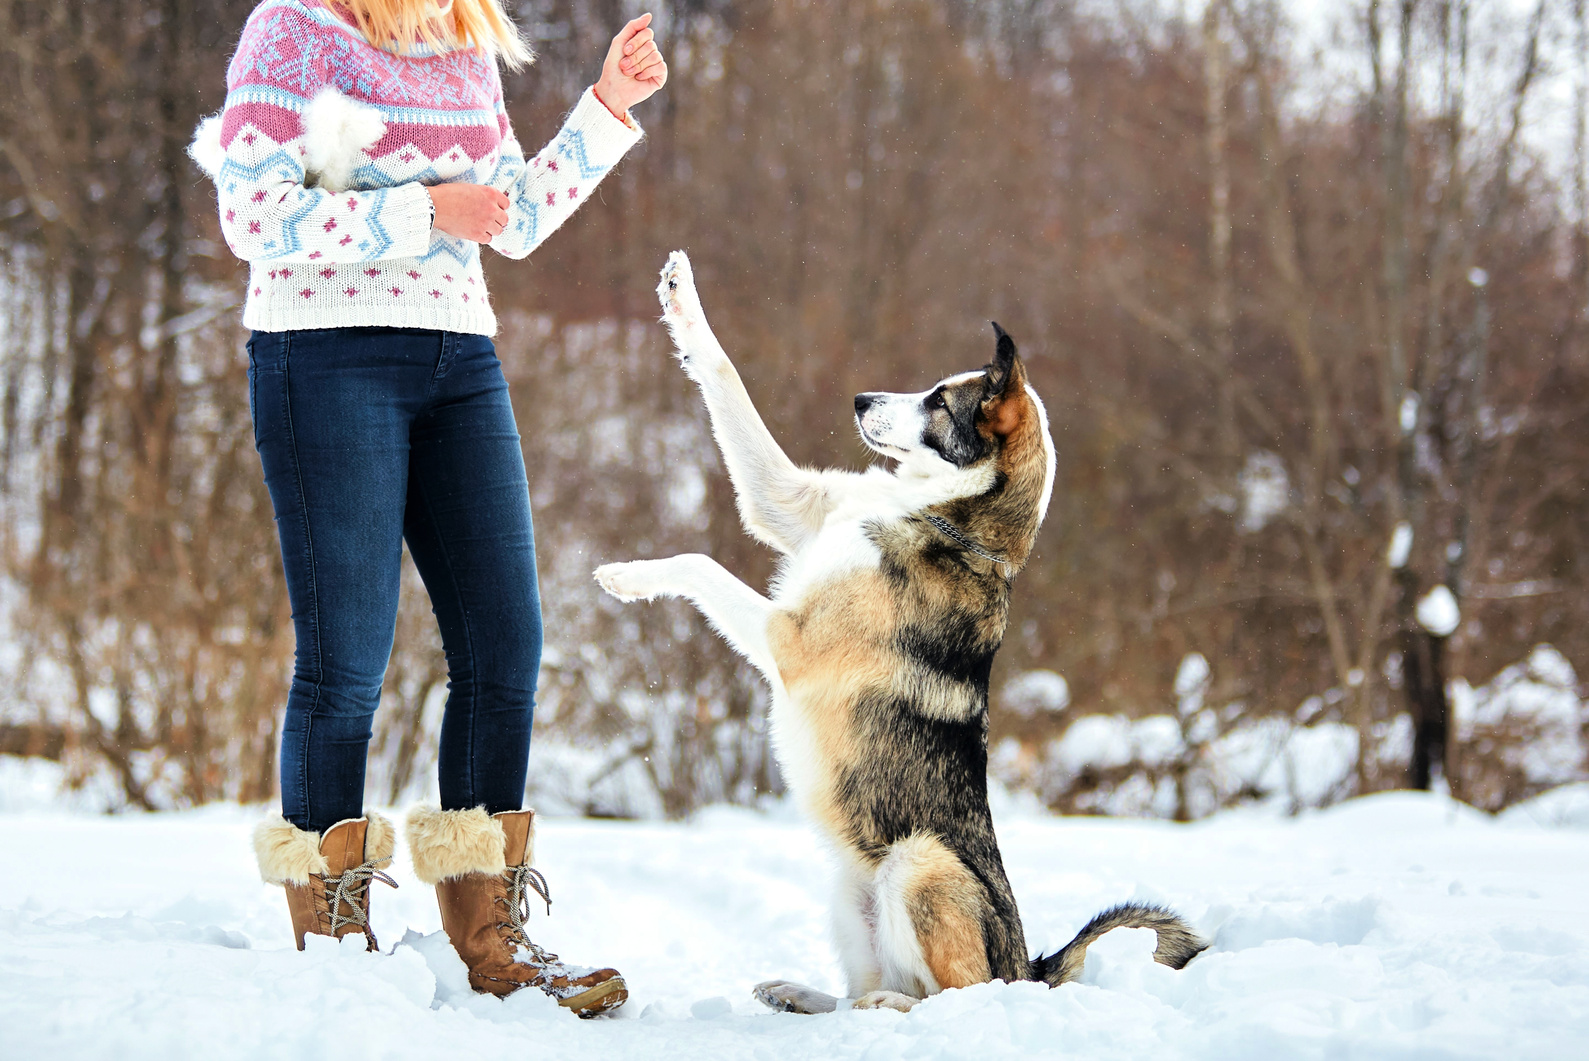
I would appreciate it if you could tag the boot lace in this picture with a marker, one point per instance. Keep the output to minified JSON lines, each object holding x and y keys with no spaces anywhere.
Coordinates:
{"x":348,"y":891}
{"x":522,"y":880}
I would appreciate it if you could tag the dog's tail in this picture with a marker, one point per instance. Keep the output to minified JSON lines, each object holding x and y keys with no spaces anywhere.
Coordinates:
{"x":1178,"y":944}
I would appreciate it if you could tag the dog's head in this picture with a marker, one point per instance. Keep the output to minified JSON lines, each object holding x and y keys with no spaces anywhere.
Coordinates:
{"x":989,"y":418}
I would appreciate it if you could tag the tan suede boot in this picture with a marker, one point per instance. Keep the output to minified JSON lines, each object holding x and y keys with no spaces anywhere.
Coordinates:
{"x":481,"y":867}
{"x":327,"y":878}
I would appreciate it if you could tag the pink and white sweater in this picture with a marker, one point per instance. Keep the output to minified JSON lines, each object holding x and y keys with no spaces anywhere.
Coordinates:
{"x":325,"y":146}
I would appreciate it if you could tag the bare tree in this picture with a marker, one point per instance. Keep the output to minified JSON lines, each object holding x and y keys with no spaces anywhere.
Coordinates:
{"x":1259,"y":326}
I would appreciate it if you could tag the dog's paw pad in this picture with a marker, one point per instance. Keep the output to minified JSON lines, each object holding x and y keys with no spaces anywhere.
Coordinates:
{"x":676,"y":292}
{"x":769,"y":995}
{"x":622,"y":581}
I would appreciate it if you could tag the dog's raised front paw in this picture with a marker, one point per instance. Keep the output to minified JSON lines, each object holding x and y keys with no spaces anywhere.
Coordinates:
{"x":681,"y":306}
{"x":886,"y":1000}
{"x":632,"y":581}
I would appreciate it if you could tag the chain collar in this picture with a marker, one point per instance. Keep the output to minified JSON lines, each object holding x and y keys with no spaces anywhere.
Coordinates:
{"x":951,"y":531}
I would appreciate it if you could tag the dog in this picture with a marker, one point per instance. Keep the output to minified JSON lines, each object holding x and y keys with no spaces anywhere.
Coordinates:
{"x":877,"y":640}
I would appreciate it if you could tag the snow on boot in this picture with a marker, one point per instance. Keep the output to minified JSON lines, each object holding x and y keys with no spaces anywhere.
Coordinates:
{"x":327,"y":878}
{"x":481,"y":867}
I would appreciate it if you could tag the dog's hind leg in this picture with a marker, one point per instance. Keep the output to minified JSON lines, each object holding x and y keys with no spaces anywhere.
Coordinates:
{"x":737,"y":612}
{"x":780,"y":503}
{"x":856,"y":927}
{"x":931,"y":911}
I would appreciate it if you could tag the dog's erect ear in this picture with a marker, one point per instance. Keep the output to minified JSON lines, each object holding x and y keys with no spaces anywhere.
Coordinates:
{"x":1002,"y":367}
{"x":1005,"y":379}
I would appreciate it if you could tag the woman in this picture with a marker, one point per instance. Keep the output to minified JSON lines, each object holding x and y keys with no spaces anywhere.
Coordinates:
{"x":367,"y":156}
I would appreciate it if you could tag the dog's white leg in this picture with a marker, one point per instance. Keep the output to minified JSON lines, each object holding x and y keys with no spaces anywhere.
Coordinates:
{"x":737,"y":612}
{"x":780,"y":503}
{"x":854,"y":932}
{"x":899,"y":949}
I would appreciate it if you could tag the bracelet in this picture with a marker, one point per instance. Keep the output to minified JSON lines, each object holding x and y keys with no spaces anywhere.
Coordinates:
{"x":624,"y":117}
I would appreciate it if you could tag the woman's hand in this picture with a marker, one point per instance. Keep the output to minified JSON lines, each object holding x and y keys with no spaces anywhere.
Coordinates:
{"x":469,"y":211}
{"x":633,"y":69}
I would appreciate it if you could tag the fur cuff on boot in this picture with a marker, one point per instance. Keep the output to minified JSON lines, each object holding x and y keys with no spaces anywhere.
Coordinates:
{"x":288,"y":854}
{"x":447,"y":844}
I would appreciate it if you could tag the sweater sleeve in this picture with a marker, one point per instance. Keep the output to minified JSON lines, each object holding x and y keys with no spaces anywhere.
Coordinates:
{"x":545,"y":190}
{"x":270,"y":215}
{"x":267,"y":211}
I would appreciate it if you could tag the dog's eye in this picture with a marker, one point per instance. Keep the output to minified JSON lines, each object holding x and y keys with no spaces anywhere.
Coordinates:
{"x":935,"y":401}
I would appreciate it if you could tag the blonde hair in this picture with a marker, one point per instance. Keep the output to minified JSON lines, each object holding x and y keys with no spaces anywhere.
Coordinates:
{"x":398,"y":24}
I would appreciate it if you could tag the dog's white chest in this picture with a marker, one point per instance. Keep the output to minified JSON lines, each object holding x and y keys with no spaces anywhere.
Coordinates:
{"x":842,"y":546}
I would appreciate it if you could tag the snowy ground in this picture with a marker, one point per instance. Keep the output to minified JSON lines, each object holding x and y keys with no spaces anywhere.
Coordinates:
{"x":1397,"y":926}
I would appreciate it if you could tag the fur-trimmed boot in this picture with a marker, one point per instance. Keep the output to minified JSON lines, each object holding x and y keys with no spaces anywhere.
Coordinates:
{"x":327,"y":878}
{"x":481,"y":867}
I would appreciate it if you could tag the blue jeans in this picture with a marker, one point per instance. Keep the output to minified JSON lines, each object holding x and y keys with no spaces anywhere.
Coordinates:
{"x":370,"y":437}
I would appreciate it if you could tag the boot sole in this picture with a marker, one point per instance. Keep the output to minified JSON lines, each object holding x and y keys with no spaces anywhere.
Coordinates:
{"x":603,"y":998}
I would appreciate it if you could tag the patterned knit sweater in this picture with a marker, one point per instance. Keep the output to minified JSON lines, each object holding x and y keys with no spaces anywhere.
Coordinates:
{"x":328,"y":142}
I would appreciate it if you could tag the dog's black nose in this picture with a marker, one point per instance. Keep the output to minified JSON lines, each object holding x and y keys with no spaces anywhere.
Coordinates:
{"x":863,"y":402}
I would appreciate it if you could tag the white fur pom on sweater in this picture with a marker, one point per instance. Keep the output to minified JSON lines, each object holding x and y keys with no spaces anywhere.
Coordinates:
{"x":337,"y":133}
{"x":206,"y":150}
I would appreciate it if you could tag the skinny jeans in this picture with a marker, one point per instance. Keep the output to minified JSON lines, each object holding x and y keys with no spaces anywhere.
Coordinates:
{"x":371,"y":437}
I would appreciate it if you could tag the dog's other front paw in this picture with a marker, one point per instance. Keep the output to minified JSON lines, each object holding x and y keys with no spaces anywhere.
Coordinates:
{"x":794,"y":998}
{"x":886,"y":1000}
{"x":632,"y":581}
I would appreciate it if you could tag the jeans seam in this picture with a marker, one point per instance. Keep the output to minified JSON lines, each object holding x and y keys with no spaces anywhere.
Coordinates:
{"x":449,"y":344}
{"x":468,"y":636}
{"x":314,"y":582}
{"x":253,"y":392}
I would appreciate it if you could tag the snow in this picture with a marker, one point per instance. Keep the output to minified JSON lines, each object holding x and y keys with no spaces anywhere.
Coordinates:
{"x":1535,"y":703}
{"x":1104,"y":742}
{"x":1400,"y":546}
{"x":1399,"y":925}
{"x":1265,"y":490}
{"x":1316,"y":762}
{"x":1123,"y":766}
{"x":1438,"y":612}
{"x":1409,"y":413}
{"x":1191,"y":682}
{"x":1035,"y":692}
{"x":1565,"y":807}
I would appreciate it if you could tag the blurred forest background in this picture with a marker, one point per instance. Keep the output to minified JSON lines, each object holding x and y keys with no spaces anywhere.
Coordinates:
{"x":1303,"y":287}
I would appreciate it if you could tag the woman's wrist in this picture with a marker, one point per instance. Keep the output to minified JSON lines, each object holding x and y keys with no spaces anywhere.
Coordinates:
{"x":622,"y":116}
